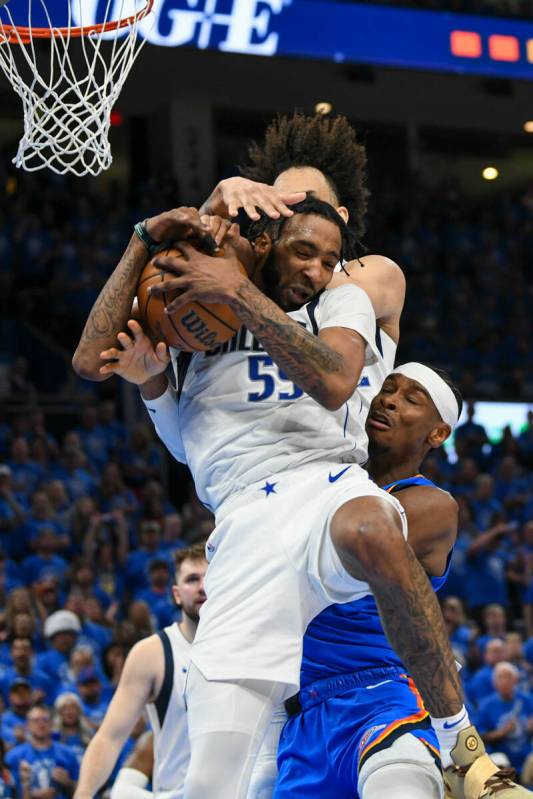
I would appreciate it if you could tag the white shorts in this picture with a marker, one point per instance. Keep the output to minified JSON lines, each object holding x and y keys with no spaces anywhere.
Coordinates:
{"x":273,"y":568}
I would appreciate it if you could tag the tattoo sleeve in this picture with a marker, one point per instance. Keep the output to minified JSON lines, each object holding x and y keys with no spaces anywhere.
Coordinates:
{"x":306,"y":360}
{"x":413,"y":622}
{"x":111,"y":311}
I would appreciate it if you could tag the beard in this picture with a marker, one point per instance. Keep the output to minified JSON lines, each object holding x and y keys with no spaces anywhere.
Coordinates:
{"x":270,"y":276}
{"x":192,"y":612}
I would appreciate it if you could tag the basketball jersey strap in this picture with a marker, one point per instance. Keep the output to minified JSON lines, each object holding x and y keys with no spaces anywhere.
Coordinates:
{"x":182,"y":366}
{"x":163,"y":698}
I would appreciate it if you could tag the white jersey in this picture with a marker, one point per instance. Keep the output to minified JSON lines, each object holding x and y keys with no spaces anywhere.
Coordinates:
{"x":372,"y":376}
{"x":241,"y":419}
{"x":168,"y":718}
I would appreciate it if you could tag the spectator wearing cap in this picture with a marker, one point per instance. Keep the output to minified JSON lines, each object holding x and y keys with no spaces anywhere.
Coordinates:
{"x":13,"y":510}
{"x":22,"y":657}
{"x":14,"y":718}
{"x":41,"y":764}
{"x":45,"y":560}
{"x":69,"y":724}
{"x":138,"y":561}
{"x":90,"y":690}
{"x":157,"y":594}
{"x":481,"y":684}
{"x":61,"y":631}
{"x":505,"y":718}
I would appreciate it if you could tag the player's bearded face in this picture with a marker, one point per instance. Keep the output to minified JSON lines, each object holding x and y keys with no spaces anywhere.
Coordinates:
{"x":301,"y":263}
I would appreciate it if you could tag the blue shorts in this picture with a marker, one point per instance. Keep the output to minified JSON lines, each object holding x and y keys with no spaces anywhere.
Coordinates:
{"x":343,"y":721}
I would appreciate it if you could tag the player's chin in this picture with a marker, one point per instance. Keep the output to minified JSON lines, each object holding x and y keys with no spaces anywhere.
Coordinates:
{"x":377,"y":434}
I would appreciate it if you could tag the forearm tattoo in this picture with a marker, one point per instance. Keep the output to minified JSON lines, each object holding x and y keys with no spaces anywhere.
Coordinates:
{"x":414,"y":625}
{"x":112,"y":308}
{"x":305,"y":359}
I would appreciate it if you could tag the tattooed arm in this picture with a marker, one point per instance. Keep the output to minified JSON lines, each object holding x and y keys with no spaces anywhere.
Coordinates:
{"x":327,"y":366}
{"x":112,"y":308}
{"x":110,"y":312}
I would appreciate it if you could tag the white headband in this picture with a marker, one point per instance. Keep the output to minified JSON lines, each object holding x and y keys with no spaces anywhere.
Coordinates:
{"x":439,"y":391}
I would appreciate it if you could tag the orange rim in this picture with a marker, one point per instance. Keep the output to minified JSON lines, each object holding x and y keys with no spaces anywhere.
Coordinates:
{"x":14,"y":34}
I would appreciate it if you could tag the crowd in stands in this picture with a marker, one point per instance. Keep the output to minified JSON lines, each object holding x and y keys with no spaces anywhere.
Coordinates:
{"x":87,"y":535}
{"x":519,"y":9}
{"x":87,"y":542}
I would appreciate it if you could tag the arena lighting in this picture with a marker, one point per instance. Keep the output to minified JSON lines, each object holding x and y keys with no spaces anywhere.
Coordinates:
{"x":323,"y":108}
{"x":490,"y":173}
{"x":528,"y":126}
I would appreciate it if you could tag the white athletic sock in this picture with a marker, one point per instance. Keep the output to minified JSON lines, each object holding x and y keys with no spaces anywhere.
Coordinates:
{"x":447,"y":730}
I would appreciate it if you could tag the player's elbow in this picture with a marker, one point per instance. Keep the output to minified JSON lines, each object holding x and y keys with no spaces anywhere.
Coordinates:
{"x":85,"y":367}
{"x":337,"y":393}
{"x":333,"y":401}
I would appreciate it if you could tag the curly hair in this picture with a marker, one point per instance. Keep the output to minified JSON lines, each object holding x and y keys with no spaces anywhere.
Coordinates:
{"x":324,"y":143}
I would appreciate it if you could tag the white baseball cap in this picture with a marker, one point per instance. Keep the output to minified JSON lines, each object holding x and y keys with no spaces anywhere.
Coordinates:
{"x":62,"y":621}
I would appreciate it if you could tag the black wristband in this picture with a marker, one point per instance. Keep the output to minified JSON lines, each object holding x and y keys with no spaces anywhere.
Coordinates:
{"x":150,"y":243}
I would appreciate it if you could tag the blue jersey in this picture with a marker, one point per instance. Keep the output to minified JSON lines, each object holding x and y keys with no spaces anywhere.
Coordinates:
{"x":355,"y":700}
{"x":348,"y":638}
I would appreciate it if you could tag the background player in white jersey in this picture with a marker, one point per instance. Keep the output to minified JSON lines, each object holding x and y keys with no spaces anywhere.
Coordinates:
{"x":327,"y":558}
{"x":153,"y":676}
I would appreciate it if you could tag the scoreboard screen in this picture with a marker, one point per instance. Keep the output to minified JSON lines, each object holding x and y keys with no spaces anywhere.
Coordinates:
{"x":318,"y":29}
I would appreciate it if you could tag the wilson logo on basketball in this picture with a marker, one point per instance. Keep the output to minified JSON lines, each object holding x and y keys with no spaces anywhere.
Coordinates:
{"x":197,"y":326}
{"x":192,"y":322}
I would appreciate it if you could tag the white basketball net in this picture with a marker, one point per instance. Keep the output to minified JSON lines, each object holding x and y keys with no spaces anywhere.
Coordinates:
{"x":68,"y":85}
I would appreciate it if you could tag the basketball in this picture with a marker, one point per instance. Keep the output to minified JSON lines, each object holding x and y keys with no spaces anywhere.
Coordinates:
{"x":194,"y":327}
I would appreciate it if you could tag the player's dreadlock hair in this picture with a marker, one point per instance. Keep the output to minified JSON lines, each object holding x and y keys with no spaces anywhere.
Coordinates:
{"x":327,"y":144}
{"x":311,"y":205}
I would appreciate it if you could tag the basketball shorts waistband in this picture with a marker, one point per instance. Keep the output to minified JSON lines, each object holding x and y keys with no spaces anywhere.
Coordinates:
{"x":321,"y":690}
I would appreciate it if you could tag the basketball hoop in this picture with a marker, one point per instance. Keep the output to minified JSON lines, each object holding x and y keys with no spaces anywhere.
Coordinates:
{"x":68,"y":97}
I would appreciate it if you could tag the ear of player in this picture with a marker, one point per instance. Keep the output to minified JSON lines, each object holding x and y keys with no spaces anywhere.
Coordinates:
{"x":475,"y":776}
{"x":195,"y":326}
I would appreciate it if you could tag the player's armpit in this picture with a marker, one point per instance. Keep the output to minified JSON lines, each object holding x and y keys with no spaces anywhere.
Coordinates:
{"x":432,"y":525}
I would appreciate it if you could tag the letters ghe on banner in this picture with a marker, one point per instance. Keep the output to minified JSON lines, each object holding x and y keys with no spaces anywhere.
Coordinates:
{"x":320,"y":29}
